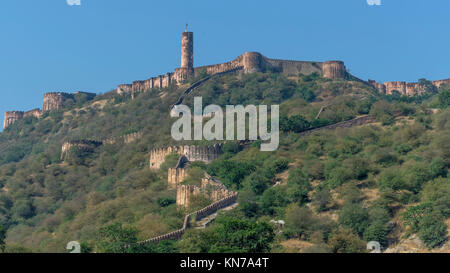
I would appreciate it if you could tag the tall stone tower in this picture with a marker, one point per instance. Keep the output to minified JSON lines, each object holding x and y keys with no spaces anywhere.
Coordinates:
{"x":11,"y":117}
{"x":186,"y":70}
{"x":187,"y":50}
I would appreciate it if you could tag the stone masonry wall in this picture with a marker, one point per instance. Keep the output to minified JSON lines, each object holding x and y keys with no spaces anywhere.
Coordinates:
{"x":345,"y":124}
{"x":86,"y":145}
{"x":13,"y":116}
{"x":175,"y":177}
{"x":90,"y":145}
{"x":405,"y":88}
{"x":334,"y":70}
{"x":209,"y":187}
{"x":55,"y":100}
{"x":126,"y":139}
{"x":185,"y":193}
{"x":198,"y":215}
{"x":192,"y":153}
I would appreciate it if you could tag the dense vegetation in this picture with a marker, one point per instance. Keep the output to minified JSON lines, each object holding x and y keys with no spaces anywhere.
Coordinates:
{"x":336,"y":189}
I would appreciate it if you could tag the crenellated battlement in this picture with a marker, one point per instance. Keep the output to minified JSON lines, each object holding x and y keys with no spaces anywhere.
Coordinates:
{"x":13,"y":116}
{"x":175,"y":176}
{"x":209,"y":187}
{"x":191,"y":152}
{"x":406,"y":88}
{"x":185,"y":193}
{"x":90,"y":145}
{"x":55,"y":100}
{"x":249,"y":62}
{"x":126,"y":139}
{"x":85,"y":145}
{"x":37,"y":113}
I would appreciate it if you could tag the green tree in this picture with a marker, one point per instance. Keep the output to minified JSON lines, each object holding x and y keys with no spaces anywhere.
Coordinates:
{"x":321,"y":122}
{"x":438,"y":168}
{"x":299,"y":221}
{"x":2,"y":238}
{"x":444,"y":98}
{"x":298,"y":186}
{"x":355,"y":217}
{"x":273,"y":199}
{"x":322,"y":199}
{"x":237,"y":235}
{"x":383,"y":111}
{"x":231,"y":172}
{"x":432,"y":229}
{"x":294,"y":124}
{"x":257,"y":182}
{"x":345,"y":241}
{"x":413,"y":215}
{"x":229,"y":235}
{"x":376,"y":231}
{"x":115,"y":238}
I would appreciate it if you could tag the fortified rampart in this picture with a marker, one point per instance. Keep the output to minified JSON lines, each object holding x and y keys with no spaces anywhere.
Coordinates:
{"x":85,"y":145}
{"x":55,"y":100}
{"x":255,"y":62}
{"x":334,"y":70}
{"x":52,"y":101}
{"x":345,"y":124}
{"x":198,"y":215}
{"x":126,"y":139}
{"x":405,"y":88}
{"x":441,"y":82}
{"x":248,"y":62}
{"x":185,"y":193}
{"x":13,"y":116}
{"x":216,"y":191}
{"x":175,"y":177}
{"x":90,"y":145}
{"x":209,"y":187}
{"x":37,"y":113}
{"x":192,"y":153}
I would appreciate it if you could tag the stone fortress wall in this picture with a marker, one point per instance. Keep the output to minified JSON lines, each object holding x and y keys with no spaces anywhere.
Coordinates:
{"x":216,"y":191}
{"x":191,"y":152}
{"x":86,"y":145}
{"x":13,"y":116}
{"x":55,"y":100}
{"x":89,"y":144}
{"x":209,"y":186}
{"x":175,"y":177}
{"x":125,"y":139}
{"x":248,"y":62}
{"x":52,"y":101}
{"x":197,"y":215}
{"x":405,"y":88}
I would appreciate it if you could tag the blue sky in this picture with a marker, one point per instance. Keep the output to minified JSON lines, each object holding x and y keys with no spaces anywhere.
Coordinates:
{"x":47,"y":45}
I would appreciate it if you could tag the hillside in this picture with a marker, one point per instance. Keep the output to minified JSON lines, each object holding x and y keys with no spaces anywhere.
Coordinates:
{"x":335,"y":189}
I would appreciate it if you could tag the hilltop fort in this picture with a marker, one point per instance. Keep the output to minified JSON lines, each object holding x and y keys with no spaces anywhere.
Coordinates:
{"x":248,"y":62}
